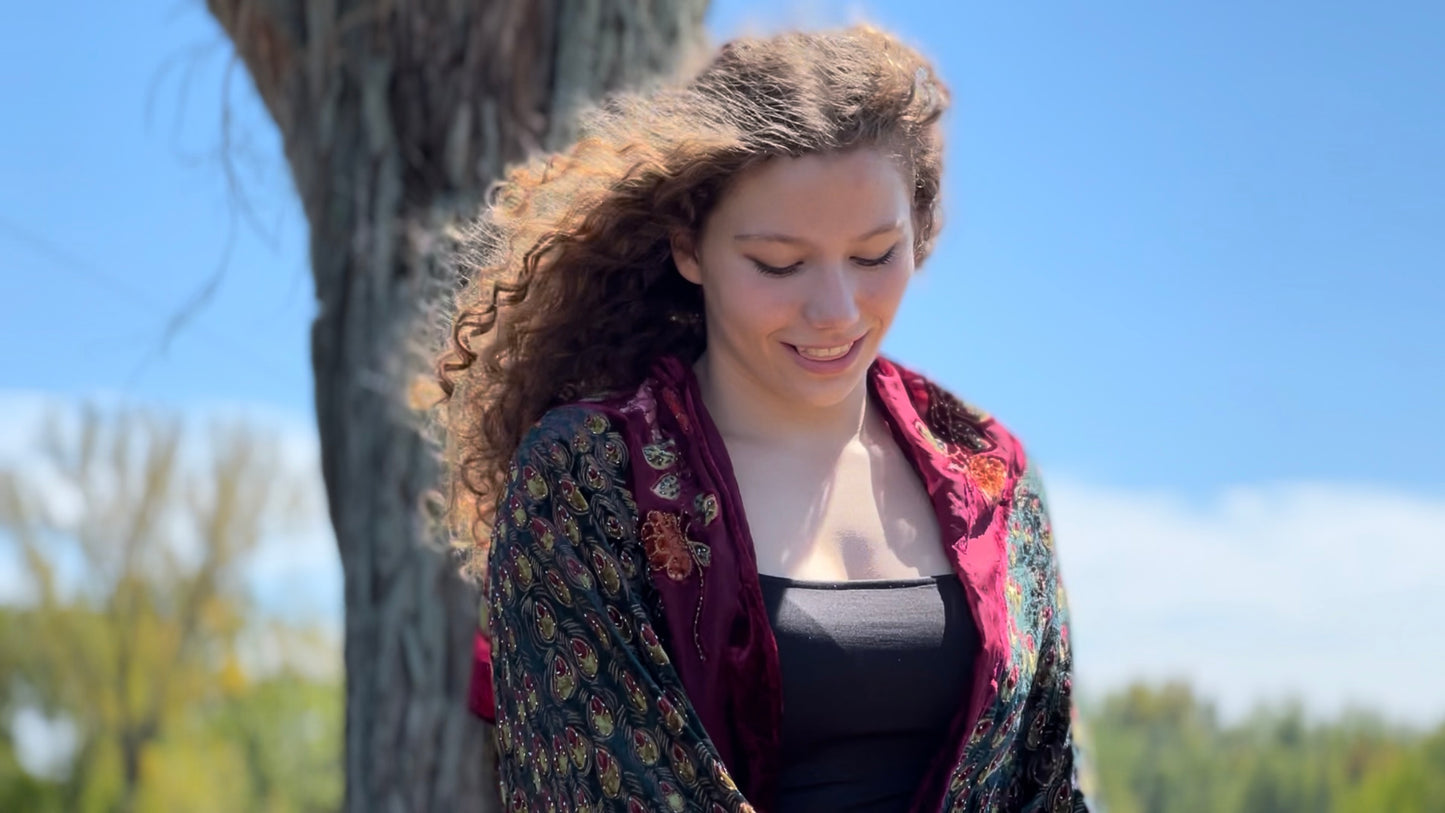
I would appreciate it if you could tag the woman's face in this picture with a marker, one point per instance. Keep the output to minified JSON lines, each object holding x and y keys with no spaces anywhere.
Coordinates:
{"x":802,"y":265}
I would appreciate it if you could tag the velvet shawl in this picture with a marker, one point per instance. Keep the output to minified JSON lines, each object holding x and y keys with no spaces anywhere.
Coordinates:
{"x":630,"y":664}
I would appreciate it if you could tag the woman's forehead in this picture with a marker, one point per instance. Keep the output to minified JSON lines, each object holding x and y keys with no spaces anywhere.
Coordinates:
{"x":854,"y":195}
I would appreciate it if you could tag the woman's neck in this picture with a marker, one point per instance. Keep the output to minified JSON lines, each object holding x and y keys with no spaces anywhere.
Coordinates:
{"x":745,"y":410}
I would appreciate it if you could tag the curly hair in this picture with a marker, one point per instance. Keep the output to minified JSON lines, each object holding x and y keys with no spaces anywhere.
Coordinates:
{"x":570,"y":288}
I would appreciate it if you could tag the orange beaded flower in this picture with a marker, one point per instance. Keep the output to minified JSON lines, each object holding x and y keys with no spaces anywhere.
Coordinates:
{"x":666,"y":545}
{"x":989,"y":473}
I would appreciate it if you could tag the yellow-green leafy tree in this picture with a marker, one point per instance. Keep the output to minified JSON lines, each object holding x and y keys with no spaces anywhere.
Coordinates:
{"x":133,"y":537}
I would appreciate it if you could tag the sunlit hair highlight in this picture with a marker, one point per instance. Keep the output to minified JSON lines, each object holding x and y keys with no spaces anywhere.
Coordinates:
{"x":571,"y":291}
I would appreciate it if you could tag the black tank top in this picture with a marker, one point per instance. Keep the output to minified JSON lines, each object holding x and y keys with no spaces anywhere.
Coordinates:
{"x":873,"y":672}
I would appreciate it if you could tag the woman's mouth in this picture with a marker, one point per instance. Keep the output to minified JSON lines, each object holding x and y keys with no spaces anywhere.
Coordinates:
{"x":825,"y":353}
{"x":827,"y":359}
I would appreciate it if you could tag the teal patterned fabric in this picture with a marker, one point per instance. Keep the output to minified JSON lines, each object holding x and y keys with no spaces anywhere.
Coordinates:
{"x":1021,"y":755}
{"x":590,"y":713}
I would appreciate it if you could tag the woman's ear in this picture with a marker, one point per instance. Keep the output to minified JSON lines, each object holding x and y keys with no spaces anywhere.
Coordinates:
{"x":684,"y":256}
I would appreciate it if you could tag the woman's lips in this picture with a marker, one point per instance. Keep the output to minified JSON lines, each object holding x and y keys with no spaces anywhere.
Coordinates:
{"x":826,"y":366}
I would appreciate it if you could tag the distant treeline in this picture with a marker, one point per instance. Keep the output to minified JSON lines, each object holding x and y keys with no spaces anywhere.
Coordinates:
{"x":274,"y":744}
{"x":1156,"y":749}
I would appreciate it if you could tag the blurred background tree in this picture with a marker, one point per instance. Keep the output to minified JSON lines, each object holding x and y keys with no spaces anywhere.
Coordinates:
{"x":132,"y":648}
{"x":395,"y":117}
{"x":1161,"y":749}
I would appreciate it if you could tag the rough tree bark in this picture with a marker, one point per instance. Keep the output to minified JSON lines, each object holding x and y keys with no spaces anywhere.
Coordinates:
{"x":395,"y":115}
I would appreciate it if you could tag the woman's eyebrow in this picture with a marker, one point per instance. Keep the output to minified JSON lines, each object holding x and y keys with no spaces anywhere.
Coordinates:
{"x":772,"y":237}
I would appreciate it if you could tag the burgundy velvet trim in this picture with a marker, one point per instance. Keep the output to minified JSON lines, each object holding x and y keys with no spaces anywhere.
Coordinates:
{"x":754,"y":690}
{"x":480,"y":697}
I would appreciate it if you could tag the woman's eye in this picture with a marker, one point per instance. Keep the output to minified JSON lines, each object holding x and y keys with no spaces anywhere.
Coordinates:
{"x":877,"y":261}
{"x":776,"y":271}
{"x":784,"y":270}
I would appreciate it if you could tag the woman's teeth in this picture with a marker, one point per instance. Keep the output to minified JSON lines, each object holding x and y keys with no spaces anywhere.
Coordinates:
{"x":824,"y":353}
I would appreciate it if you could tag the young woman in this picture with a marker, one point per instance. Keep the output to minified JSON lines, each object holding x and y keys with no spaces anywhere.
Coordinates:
{"x":733,"y":558}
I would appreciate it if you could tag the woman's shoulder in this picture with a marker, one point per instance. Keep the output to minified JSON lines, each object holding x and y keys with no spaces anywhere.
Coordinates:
{"x":980,"y":456}
{"x":950,"y":423}
{"x":608,"y":419}
{"x":566,"y":421}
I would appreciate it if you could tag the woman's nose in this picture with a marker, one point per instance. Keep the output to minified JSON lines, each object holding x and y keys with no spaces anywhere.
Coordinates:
{"x":831,"y":299}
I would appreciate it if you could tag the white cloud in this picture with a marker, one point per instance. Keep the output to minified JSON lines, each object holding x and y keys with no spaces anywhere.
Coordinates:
{"x":1319,"y":591}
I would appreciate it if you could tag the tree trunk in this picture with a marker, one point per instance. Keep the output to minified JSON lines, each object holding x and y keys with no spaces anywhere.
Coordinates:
{"x":395,"y":117}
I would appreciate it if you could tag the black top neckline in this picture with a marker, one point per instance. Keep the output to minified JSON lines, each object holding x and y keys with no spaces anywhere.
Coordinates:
{"x":857,"y":584}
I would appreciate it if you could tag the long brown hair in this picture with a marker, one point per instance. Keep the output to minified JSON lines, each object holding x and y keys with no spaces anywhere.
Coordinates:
{"x":571,"y":290}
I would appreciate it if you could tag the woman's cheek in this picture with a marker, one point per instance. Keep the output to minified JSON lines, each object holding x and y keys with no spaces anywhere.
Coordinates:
{"x":887,"y":290}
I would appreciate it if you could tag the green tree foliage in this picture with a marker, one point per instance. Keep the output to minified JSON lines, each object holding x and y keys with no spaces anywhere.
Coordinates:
{"x":133,"y":536}
{"x":1164,"y":750}
{"x":1410,"y":780}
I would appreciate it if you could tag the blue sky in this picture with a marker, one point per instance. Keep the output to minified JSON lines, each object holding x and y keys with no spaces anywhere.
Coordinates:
{"x":1188,"y":244}
{"x":1194,"y":255}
